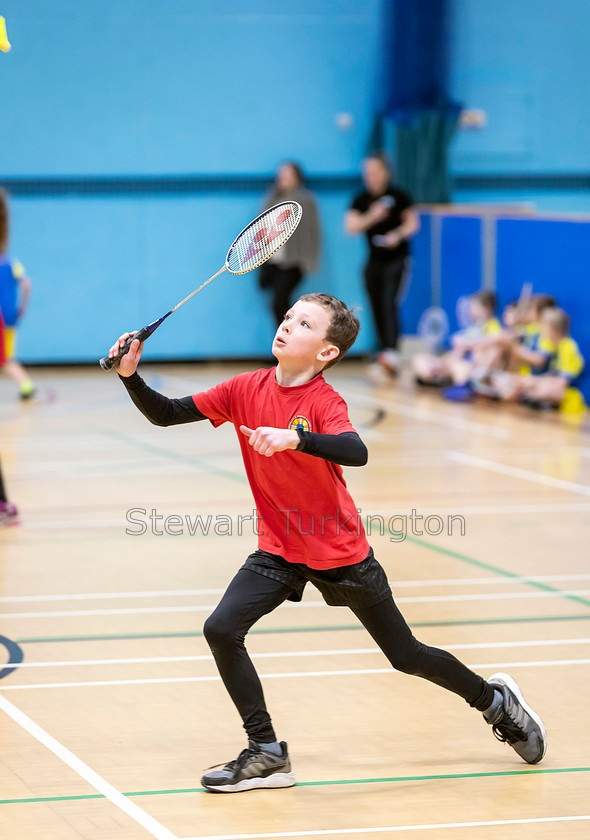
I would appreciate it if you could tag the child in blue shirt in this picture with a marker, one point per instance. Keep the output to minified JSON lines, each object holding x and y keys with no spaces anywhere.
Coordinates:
{"x":15,"y":289}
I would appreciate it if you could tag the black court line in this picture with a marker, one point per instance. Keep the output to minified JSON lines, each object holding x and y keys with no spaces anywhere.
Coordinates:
{"x":378,"y":417}
{"x":15,"y":656}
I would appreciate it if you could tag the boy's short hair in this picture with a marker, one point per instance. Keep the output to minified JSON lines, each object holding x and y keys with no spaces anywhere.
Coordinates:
{"x":557,"y":319}
{"x":486,"y":298}
{"x":541,"y":302}
{"x":344,"y":326}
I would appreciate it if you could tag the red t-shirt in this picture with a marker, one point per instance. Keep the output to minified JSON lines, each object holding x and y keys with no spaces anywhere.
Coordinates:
{"x":306,"y":514}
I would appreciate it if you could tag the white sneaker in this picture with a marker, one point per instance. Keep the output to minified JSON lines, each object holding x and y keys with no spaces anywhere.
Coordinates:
{"x":378,"y":374}
{"x":391,"y":360}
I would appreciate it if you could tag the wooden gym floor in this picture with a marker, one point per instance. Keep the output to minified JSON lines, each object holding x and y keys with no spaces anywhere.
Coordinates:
{"x":107,"y":724}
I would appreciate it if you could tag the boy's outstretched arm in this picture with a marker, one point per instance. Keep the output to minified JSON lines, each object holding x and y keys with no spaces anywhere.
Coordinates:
{"x":346,"y":448}
{"x":159,"y":410}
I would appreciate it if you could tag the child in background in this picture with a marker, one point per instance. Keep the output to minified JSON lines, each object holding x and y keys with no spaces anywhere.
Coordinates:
{"x":525,"y":355}
{"x":517,"y":345}
{"x":15,"y":290}
{"x":564,"y":365}
{"x":500,"y":351}
{"x":469,"y":349}
{"x":522,"y":347}
{"x":8,"y":511}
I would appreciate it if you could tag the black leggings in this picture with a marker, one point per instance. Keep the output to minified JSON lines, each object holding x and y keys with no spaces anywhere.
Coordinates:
{"x":384,"y":284}
{"x":250,"y":596}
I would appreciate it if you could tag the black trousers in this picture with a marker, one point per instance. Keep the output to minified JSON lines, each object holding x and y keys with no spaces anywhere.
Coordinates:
{"x":251,"y":595}
{"x":384,"y":282}
{"x":282,"y":283}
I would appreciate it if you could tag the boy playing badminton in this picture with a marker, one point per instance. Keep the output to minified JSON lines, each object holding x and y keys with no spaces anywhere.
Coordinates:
{"x":291,"y":424}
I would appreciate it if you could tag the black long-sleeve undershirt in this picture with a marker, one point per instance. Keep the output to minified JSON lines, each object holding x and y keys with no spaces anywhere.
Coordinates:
{"x":346,"y":448}
{"x":160,"y":410}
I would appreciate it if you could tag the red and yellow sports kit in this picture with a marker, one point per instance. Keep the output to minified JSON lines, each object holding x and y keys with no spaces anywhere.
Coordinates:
{"x":306,"y":513}
{"x":309,"y":531}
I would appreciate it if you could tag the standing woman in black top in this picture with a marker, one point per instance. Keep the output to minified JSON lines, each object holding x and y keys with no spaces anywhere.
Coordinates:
{"x":299,"y":256}
{"x":385,"y":215}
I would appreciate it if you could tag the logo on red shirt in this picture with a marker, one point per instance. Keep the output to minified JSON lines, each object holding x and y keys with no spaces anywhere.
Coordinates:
{"x":300,"y":422}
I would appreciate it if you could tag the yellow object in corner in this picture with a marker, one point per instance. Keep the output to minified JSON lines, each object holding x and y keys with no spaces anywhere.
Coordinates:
{"x":4,"y":42}
{"x":573,"y":407}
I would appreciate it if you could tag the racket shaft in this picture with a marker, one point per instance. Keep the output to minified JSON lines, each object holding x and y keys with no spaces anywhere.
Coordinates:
{"x":202,"y":286}
{"x":107,"y":363}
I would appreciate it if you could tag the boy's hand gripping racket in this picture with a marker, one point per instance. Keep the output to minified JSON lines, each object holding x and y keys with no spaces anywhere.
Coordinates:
{"x":254,"y":245}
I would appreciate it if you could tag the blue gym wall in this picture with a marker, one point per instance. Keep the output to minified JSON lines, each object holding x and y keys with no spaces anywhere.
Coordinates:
{"x":129,"y":88}
{"x":525,"y":62}
{"x":191,"y":87}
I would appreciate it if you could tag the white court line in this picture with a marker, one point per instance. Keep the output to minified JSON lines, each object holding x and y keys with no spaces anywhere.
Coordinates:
{"x":397,"y":584}
{"x":474,"y":510}
{"x":78,"y":524}
{"x":517,"y":472}
{"x":288,"y":675}
{"x":294,"y":653}
{"x":323,"y":832}
{"x":92,"y":596}
{"x":129,"y":807}
{"x":440,"y":418}
{"x":477,"y":510}
{"x":190,"y":608}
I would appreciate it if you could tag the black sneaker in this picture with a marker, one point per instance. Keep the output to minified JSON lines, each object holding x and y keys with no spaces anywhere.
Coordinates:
{"x":253,"y":768}
{"x":516,"y":723}
{"x":427,"y":383}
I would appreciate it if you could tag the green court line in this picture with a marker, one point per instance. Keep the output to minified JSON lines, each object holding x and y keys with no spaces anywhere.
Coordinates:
{"x":430,"y":778}
{"x":175,"y":456}
{"x":331,"y":628}
{"x":41,"y":799}
{"x":497,"y":570}
{"x":207,"y":467}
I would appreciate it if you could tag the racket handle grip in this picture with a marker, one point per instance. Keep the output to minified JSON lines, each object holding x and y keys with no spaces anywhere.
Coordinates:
{"x":108,"y":364}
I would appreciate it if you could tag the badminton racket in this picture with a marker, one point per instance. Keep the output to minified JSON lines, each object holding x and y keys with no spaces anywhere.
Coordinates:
{"x":433,"y":328}
{"x":253,"y":246}
{"x":524,"y":301}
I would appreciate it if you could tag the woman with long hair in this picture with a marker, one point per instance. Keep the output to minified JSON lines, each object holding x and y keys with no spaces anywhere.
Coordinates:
{"x":299,"y":256}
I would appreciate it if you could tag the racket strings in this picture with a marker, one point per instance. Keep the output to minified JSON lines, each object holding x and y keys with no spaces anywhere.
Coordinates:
{"x":263,"y":237}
